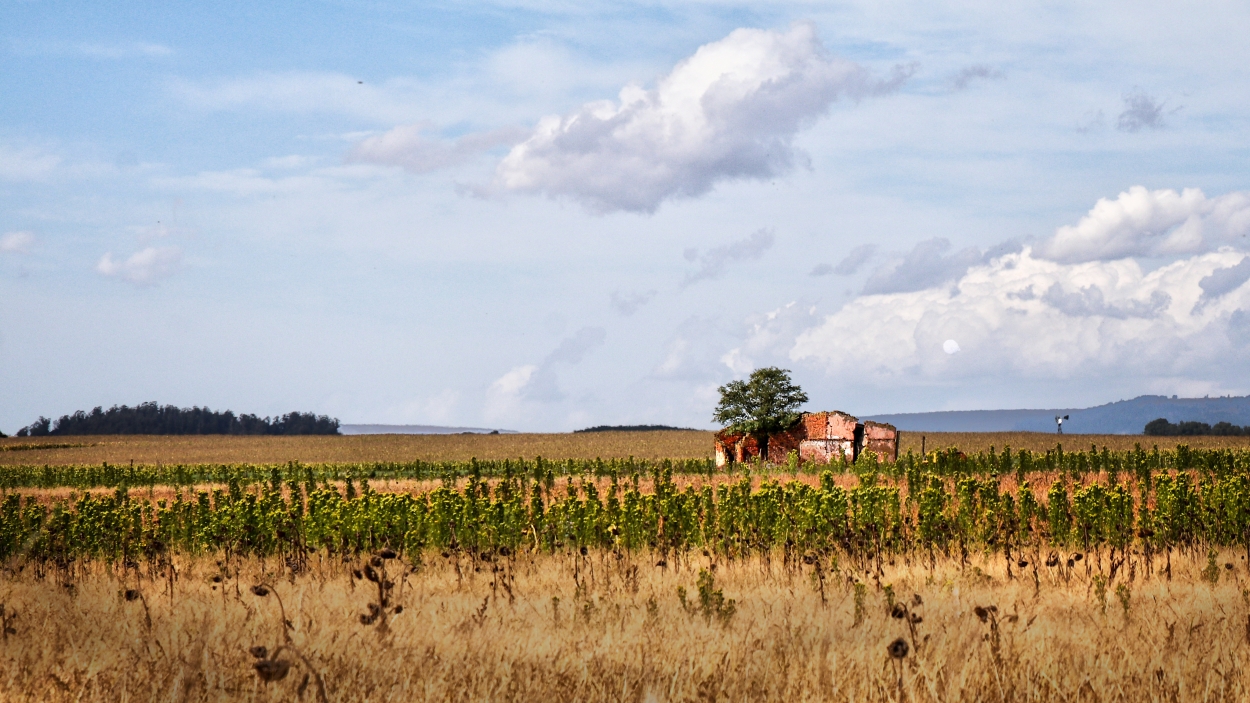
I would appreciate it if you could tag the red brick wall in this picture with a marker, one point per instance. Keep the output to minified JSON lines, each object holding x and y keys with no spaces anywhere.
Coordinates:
{"x":781,"y":444}
{"x":748,"y":449}
{"x":726,"y":445}
{"x":881,"y":438}
{"x":830,"y":425}
{"x":818,"y":437}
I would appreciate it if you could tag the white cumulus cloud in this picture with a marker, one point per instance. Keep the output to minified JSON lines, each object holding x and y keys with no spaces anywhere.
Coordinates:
{"x":1143,"y":222}
{"x":503,"y":398}
{"x":538,"y":383}
{"x":1036,"y":318}
{"x":26,"y":164}
{"x":144,"y":267}
{"x":729,"y":111}
{"x":17,"y":242}
{"x":412,"y":148}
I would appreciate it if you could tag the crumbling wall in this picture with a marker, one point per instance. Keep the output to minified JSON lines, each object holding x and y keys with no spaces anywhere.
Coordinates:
{"x":830,"y":425}
{"x":782,"y":443}
{"x":726,"y":444}
{"x":881,"y":438}
{"x":820,"y":438}
{"x":830,"y":437}
{"x":748,"y":449}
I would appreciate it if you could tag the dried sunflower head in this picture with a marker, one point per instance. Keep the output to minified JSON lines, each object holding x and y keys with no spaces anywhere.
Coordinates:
{"x":270,"y":670}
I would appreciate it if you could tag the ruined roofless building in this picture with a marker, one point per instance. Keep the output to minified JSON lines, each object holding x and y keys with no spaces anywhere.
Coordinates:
{"x":817,"y":437}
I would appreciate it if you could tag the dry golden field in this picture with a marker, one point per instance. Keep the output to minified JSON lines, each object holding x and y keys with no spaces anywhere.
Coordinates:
{"x":215,"y":449}
{"x":973,"y":442}
{"x":602,"y":625}
{"x":605,"y":628}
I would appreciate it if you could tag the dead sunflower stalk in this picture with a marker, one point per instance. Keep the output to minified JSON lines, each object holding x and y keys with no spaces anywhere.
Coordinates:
{"x":374,"y":570}
{"x":269,"y":667}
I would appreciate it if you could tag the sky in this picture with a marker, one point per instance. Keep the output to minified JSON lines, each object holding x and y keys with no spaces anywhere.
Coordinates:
{"x":543,"y":216}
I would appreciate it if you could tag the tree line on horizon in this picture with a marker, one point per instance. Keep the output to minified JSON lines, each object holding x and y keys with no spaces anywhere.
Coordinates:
{"x":1163,"y":428}
{"x":151,"y":418}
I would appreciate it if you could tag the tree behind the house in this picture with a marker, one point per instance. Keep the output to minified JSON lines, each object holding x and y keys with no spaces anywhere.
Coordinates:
{"x":767,"y":402}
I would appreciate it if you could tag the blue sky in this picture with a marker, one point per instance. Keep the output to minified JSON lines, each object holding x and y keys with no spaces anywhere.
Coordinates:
{"x":546,"y":215}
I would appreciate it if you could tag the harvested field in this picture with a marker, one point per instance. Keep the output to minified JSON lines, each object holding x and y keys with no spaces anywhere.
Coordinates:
{"x":218,"y":449}
{"x":608,"y":627}
{"x":226,"y":449}
{"x":973,"y":442}
{"x":1113,"y":577}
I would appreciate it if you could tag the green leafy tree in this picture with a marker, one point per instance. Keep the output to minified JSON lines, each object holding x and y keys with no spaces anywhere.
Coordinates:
{"x":767,"y":402}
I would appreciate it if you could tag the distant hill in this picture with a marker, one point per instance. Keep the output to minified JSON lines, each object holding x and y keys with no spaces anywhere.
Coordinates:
{"x":418,"y":429}
{"x":1121,"y":417}
{"x":633,"y":428}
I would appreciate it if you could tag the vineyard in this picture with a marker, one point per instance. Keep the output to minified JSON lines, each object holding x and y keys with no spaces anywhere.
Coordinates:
{"x":1014,"y":503}
{"x":1001,"y":575}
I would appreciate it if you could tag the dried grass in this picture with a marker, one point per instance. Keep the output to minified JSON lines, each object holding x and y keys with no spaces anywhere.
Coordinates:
{"x":522,"y":628}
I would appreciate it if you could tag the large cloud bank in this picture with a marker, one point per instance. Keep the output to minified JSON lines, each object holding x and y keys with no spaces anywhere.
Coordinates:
{"x":1153,"y":223}
{"x":1080,"y":304}
{"x":729,"y":111}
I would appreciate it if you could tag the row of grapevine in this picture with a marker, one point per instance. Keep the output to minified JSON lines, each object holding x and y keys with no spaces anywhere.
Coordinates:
{"x":112,"y":475}
{"x":292,"y":515}
{"x":1076,"y":466}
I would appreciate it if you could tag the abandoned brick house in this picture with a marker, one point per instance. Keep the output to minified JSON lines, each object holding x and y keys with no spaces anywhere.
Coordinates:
{"x":817,"y":437}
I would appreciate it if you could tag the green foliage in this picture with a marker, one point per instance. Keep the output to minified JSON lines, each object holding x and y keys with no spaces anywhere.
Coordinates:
{"x":1059,"y":513}
{"x":861,"y":598}
{"x":1211,"y":572}
{"x":766,"y":402}
{"x":1100,"y":591}
{"x":150,"y":418}
{"x":712,"y":602}
{"x":1163,"y":428}
{"x":295,"y":510}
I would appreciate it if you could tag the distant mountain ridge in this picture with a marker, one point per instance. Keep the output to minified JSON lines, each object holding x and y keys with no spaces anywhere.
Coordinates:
{"x":1121,"y":417}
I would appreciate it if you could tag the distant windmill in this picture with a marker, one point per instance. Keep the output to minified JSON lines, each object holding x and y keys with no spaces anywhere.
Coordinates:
{"x":1059,"y":422}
